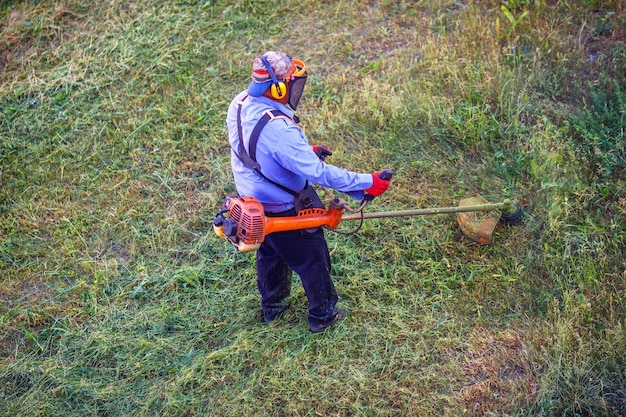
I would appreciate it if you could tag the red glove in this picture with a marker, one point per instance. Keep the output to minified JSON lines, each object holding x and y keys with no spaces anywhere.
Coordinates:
{"x":321,"y":151}
{"x":379,"y":185}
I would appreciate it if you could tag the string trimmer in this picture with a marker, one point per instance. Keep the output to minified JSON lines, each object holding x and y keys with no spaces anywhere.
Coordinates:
{"x":243,"y":222}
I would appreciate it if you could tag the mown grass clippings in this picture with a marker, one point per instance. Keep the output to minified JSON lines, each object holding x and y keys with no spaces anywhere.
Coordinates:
{"x":117,"y":299}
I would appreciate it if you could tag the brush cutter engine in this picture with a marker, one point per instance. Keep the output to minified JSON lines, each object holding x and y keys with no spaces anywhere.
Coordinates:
{"x":243,"y":222}
{"x":245,"y":225}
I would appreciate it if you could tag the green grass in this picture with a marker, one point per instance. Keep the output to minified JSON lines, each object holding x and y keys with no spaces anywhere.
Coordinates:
{"x":116,"y":298}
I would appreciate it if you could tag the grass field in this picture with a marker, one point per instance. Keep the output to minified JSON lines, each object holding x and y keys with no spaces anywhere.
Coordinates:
{"x":116,"y":298}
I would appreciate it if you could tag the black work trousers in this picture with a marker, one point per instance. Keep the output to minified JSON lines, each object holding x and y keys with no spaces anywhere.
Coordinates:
{"x":305,"y":253}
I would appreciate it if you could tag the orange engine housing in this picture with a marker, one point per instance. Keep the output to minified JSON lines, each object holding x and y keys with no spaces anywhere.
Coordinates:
{"x":247,"y":225}
{"x":249,"y":216}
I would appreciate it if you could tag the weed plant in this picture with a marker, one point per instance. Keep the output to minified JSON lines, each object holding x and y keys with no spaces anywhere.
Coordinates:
{"x":116,"y":298}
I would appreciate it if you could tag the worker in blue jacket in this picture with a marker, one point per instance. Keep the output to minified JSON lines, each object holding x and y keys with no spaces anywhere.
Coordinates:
{"x":275,"y":164}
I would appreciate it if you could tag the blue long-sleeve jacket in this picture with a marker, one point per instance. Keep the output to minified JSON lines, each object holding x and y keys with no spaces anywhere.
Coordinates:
{"x":285,"y":156}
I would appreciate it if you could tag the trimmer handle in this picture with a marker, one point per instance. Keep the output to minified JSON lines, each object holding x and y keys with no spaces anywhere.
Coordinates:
{"x":385,"y":174}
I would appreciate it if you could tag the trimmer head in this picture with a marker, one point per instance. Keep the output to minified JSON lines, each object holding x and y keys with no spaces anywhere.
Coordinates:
{"x":477,"y":225}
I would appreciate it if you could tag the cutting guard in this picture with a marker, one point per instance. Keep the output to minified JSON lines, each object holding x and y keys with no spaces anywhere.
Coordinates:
{"x":477,"y":225}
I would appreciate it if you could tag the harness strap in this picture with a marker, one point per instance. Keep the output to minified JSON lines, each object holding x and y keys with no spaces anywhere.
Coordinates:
{"x":241,"y":152}
{"x":268,"y":116}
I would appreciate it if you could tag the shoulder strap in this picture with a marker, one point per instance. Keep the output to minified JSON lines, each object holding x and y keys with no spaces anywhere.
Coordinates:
{"x":249,"y":159}
{"x":241,"y":152}
{"x":268,"y":116}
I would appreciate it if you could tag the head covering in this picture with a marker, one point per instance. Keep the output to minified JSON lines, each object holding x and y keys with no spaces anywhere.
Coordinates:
{"x":281,"y":65}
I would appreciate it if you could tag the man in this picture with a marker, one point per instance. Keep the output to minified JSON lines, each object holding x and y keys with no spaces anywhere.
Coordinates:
{"x":276,"y":165}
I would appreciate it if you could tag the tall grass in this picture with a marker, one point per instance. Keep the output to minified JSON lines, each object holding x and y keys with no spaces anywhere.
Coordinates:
{"x":118,"y":300}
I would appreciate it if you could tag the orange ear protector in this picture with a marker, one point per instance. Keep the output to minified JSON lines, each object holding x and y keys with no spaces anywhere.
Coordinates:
{"x":279,"y":88}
